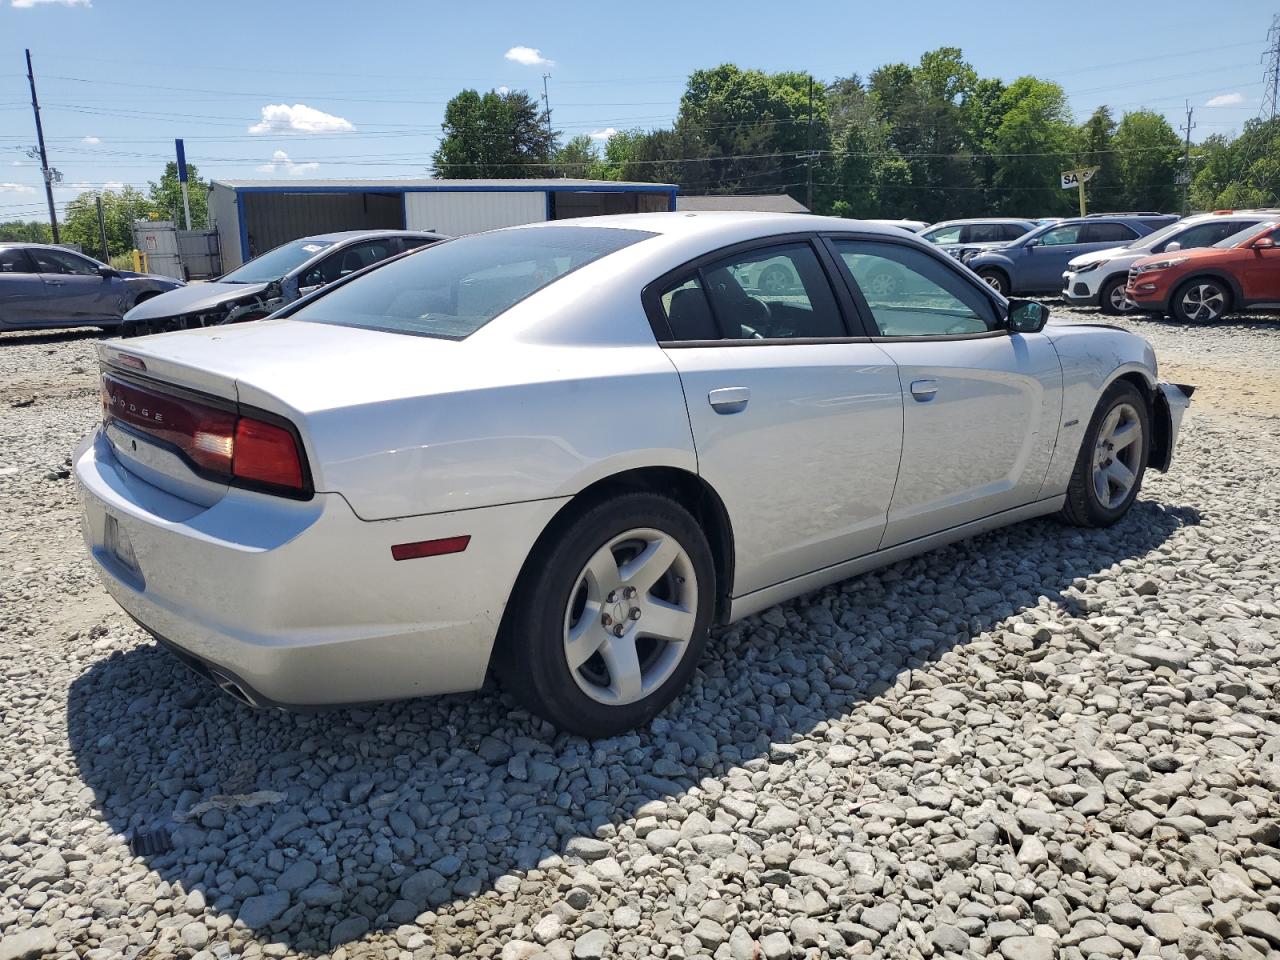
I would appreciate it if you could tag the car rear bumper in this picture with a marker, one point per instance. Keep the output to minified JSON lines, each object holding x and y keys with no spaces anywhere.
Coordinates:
{"x":301,"y":604}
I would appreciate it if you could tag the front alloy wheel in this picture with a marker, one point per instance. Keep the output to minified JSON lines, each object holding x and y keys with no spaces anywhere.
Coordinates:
{"x":1201,"y":301}
{"x":1112,"y":459}
{"x":1114,"y":299}
{"x":610,"y":615}
{"x":993,"y":279}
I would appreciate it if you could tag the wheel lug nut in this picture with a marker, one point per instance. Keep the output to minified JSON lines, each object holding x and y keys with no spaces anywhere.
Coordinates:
{"x":612,"y":597}
{"x":619,"y":630}
{"x":629,"y":592}
{"x":635,"y":613}
{"x":606,"y":619}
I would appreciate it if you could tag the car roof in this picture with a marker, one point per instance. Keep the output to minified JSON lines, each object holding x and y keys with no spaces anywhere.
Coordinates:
{"x":952,"y":223}
{"x":748,"y":224}
{"x":338,"y":236}
{"x":31,"y":245}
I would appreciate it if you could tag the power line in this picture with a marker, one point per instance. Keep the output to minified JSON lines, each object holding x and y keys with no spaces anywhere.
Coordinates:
{"x":1271,"y":78}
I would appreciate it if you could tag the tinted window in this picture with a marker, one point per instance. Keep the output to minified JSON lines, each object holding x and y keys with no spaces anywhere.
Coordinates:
{"x":688,"y":313}
{"x":347,"y":261}
{"x":773,"y":293}
{"x":911,"y":294}
{"x":1248,"y":233}
{"x":14,"y":260}
{"x":1109,"y":233}
{"x":453,"y":289}
{"x":1207,"y":234}
{"x":1011,"y":231}
{"x":413,"y":243}
{"x":984,"y":233}
{"x":61,"y":261}
{"x":274,"y":264}
{"x":944,"y":234}
{"x":1069,"y":233}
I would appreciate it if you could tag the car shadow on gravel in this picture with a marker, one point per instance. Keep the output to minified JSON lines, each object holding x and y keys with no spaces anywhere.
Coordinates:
{"x":50,"y":337}
{"x":365,"y":818}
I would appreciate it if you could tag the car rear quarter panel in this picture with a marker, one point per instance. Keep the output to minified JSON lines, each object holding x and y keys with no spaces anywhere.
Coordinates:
{"x":1093,"y":357}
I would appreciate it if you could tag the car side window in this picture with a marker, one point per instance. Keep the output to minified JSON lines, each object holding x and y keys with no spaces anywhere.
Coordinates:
{"x":1011,"y":231}
{"x":952,"y":234}
{"x":1109,"y":233}
{"x":1069,"y":233}
{"x":773,"y":293}
{"x":413,"y":243}
{"x":911,"y":294}
{"x":14,"y":260}
{"x":1207,"y":234}
{"x":60,"y":261}
{"x":982,"y":233}
{"x":688,"y":313}
{"x":346,"y":261}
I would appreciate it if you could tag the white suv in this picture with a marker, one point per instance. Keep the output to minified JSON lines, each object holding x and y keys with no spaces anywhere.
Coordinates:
{"x":1097,"y":278}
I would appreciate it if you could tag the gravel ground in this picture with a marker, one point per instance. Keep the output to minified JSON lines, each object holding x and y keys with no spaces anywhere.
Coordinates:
{"x":1041,"y":743}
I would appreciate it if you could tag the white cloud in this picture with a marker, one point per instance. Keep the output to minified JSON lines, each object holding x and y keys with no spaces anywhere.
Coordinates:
{"x":604,"y":134}
{"x":528,"y":56}
{"x":280,"y":163}
{"x":92,"y":140}
{"x":299,"y":118}
{"x":16,"y":188}
{"x":115,"y":186}
{"x":1225,"y":100}
{"x":504,"y":90}
{"x":27,"y":4}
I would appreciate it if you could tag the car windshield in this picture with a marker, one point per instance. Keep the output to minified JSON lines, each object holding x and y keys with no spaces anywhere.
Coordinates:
{"x":453,"y":289}
{"x":1248,"y":233}
{"x":274,"y":264}
{"x":1151,"y":239}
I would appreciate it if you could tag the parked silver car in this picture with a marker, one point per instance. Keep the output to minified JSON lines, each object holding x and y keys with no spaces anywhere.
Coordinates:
{"x":567,"y":449}
{"x":277,"y":277}
{"x":48,"y":286}
{"x":961,"y":237}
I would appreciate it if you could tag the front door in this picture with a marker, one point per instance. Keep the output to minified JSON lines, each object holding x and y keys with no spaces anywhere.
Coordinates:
{"x":796,"y":425}
{"x":75,"y":291}
{"x":981,"y":405}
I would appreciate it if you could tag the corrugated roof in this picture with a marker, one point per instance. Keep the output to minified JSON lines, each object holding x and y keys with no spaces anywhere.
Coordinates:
{"x":768,"y":203}
{"x":302,"y":183}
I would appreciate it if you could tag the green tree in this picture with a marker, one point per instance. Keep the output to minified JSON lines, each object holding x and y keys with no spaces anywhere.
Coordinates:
{"x":120,"y":210}
{"x":502,"y":135}
{"x":575,"y":158}
{"x":26,"y":231}
{"x":1149,"y":155}
{"x":1033,"y":144}
{"x":1097,"y":149}
{"x":166,"y":196}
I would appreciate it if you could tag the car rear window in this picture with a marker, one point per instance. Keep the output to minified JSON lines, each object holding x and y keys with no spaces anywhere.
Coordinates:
{"x":1248,"y":233}
{"x":451,"y":290}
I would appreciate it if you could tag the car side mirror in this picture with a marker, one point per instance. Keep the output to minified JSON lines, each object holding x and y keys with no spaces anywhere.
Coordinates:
{"x":1027,"y":316}
{"x":106,"y":273}
{"x":1264,"y":243}
{"x":1172,"y":246}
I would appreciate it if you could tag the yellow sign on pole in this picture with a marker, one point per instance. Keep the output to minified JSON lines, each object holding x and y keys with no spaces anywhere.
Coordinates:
{"x":1078,"y":178}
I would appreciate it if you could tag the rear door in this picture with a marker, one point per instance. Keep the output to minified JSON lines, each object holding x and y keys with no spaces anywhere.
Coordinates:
{"x":76,"y":292}
{"x":1260,"y":271}
{"x":22,"y":295}
{"x":797,"y":423}
{"x":981,"y":405}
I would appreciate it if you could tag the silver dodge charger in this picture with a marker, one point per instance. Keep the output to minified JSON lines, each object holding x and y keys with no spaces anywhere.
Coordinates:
{"x":566,"y":450}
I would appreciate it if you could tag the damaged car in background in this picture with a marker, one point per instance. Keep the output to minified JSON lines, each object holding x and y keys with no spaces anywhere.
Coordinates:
{"x":267,"y":282}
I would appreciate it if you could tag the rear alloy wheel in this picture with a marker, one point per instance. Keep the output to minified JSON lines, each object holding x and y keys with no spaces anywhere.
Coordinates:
{"x":1113,"y":299}
{"x":1201,"y":301}
{"x":610,"y":619}
{"x":995,"y":280}
{"x":1112,"y":459}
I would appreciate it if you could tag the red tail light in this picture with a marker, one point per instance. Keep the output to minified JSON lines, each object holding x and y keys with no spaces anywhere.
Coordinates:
{"x":217,"y":439}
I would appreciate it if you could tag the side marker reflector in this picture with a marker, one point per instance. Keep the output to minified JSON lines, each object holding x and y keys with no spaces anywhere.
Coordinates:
{"x":429,"y":548}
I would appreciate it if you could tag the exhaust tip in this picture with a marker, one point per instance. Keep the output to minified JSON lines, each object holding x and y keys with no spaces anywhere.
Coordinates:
{"x":231,"y":688}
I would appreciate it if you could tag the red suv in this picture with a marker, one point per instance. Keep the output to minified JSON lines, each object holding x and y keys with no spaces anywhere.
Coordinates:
{"x":1241,"y":272}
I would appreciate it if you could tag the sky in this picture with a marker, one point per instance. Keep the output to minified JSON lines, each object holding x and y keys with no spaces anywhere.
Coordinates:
{"x":278,"y":89}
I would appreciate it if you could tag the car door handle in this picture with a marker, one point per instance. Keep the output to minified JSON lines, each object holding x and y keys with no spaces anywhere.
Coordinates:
{"x":924,"y":390}
{"x":729,"y":399}
{"x":56,"y":283}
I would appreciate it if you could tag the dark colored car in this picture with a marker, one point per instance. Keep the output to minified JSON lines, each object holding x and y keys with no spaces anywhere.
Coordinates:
{"x":269,"y":281}
{"x":47,"y":286}
{"x":1241,"y":272}
{"x":1034,"y":263}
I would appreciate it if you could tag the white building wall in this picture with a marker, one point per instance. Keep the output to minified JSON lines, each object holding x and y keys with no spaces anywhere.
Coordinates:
{"x":463,"y":211}
{"x":226,"y":220}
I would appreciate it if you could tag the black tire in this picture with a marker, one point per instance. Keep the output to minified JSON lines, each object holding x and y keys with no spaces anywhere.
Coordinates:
{"x":1084,"y":507}
{"x":1216,"y":305}
{"x":1108,"y":292}
{"x":531,"y":659}
{"x":995,"y":279}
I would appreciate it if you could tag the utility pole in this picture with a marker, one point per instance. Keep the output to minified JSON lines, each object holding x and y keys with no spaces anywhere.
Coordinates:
{"x":808,"y":144}
{"x":1186,"y":158}
{"x":1271,"y":79}
{"x":182,"y":181}
{"x":102,"y":229}
{"x":44,"y":156}
{"x":546,"y":112}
